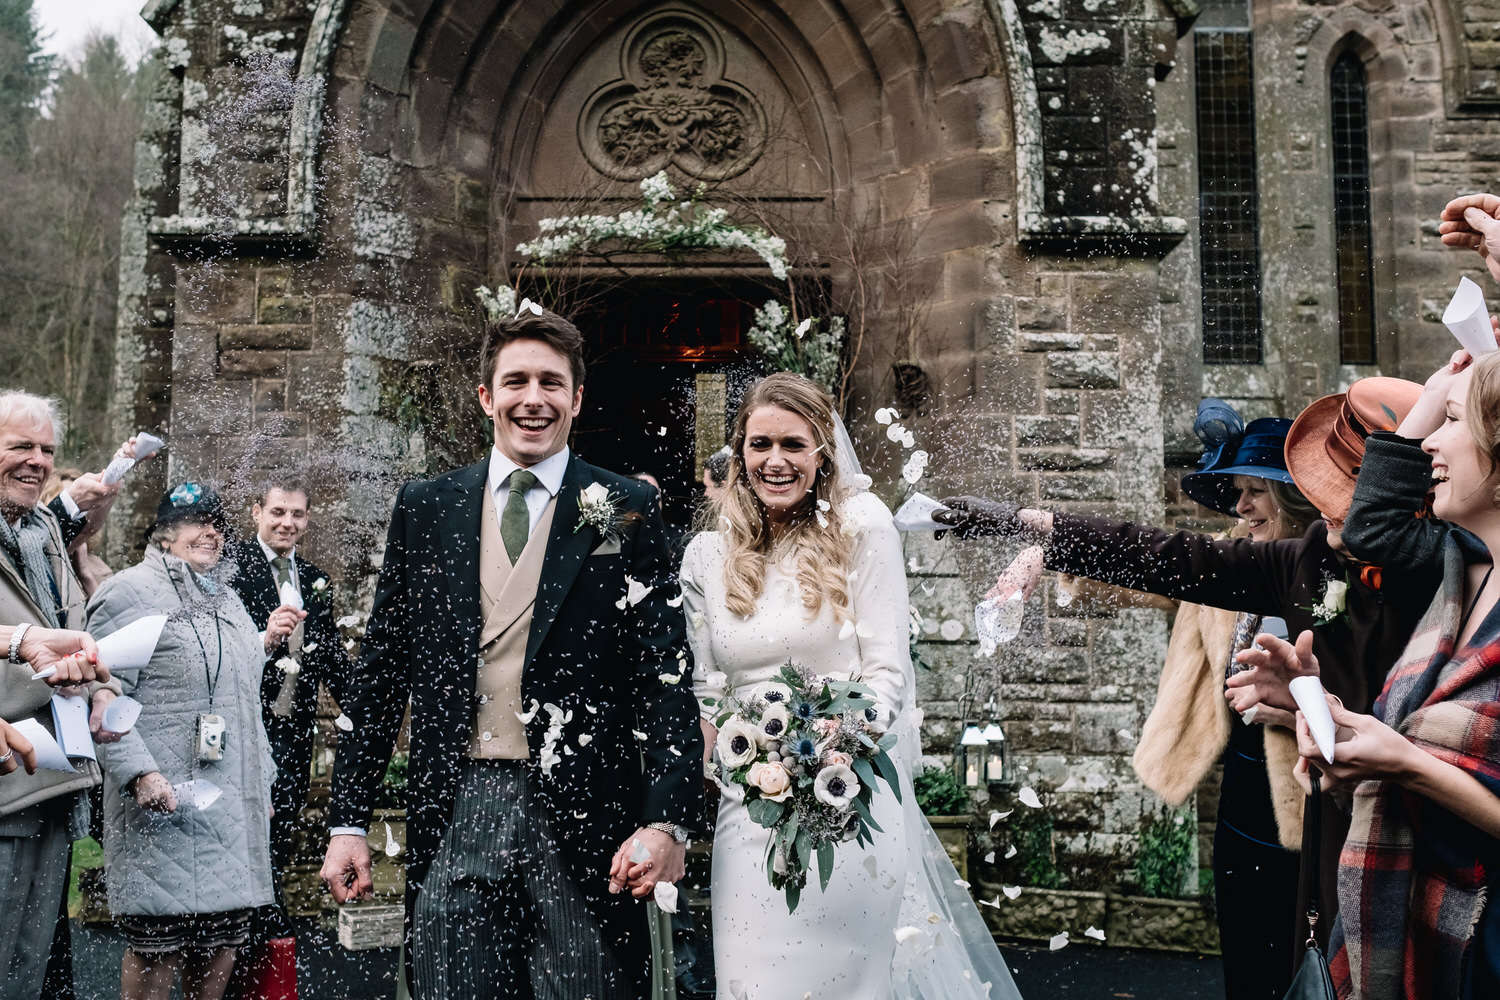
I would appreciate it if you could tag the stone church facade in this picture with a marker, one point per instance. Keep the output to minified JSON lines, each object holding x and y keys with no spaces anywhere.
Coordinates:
{"x":1060,"y":224}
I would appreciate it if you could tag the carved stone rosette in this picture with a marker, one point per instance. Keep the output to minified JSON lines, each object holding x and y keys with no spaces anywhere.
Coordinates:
{"x":672,"y":105}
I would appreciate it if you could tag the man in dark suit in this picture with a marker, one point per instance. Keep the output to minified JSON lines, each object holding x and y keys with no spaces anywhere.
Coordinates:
{"x":303,"y":648}
{"x":528,"y":608}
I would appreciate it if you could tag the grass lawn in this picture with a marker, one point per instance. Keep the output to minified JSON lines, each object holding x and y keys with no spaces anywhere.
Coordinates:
{"x":86,"y":854}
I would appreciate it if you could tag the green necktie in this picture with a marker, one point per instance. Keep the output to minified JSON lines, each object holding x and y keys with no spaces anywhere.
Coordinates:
{"x":515,"y":522}
{"x":283,"y":570}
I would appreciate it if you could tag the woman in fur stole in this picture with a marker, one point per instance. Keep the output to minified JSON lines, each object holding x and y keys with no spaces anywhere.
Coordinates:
{"x":1424,"y":766}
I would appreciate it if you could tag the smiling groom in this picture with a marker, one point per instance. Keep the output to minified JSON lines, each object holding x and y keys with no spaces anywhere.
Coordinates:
{"x":549,"y":732}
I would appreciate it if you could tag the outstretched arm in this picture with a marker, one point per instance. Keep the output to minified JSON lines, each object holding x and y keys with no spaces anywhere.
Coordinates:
{"x":1473,"y":221}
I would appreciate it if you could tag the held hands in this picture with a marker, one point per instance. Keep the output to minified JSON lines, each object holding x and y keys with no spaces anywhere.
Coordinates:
{"x":346,"y":868}
{"x":73,"y":654}
{"x":99,"y":703}
{"x":667,"y":863}
{"x":154,"y":792}
{"x":16,"y":750}
{"x":1023,"y":573}
{"x":1264,"y":687}
{"x":1367,"y":749}
{"x":280,"y":625}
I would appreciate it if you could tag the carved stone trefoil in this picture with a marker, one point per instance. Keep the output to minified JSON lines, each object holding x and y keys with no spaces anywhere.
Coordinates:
{"x":672,"y":106}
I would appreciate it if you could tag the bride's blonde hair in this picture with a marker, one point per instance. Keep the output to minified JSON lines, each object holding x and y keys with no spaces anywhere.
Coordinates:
{"x":817,"y":545}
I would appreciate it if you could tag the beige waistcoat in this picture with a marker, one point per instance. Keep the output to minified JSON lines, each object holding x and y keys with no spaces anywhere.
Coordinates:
{"x":507,"y":595}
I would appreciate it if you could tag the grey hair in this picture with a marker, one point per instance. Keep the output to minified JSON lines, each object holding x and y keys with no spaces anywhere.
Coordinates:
{"x":34,"y":411}
{"x":163,"y":535}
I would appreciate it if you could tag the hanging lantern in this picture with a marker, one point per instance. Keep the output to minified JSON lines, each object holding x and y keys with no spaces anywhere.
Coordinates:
{"x":997,"y":760}
{"x":971,"y":756}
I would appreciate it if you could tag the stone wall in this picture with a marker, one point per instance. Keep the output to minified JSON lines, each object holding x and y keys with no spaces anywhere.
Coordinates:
{"x":1011,"y":184}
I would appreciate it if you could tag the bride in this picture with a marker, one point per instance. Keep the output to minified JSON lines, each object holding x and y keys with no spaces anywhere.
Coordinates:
{"x":806,"y":565}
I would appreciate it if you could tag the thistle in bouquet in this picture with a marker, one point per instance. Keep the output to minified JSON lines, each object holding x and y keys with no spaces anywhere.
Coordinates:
{"x":807,"y":750}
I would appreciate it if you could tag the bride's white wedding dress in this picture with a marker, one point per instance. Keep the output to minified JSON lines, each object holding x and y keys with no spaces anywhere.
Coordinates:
{"x":891,"y":923}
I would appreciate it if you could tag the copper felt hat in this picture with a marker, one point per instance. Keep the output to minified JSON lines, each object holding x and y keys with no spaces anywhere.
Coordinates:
{"x":1326,"y":445}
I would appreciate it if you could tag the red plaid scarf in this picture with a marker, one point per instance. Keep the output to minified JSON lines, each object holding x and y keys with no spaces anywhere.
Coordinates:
{"x":1411,"y":877}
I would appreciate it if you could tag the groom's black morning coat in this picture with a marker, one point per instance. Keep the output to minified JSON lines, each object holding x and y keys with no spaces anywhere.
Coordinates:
{"x":585,"y":654}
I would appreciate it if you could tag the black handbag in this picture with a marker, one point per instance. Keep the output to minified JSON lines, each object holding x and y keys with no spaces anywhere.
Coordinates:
{"x":1313,"y":980}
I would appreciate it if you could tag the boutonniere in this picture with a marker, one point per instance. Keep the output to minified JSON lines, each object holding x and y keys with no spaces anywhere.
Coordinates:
{"x":599,"y":509}
{"x":320,"y":585}
{"x":1333,"y":604}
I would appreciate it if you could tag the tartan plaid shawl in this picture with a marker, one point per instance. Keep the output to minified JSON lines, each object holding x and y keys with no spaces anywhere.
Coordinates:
{"x":1411,"y":877}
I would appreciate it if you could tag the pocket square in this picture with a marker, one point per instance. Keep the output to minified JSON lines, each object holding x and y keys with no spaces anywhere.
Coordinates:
{"x":608,"y":547}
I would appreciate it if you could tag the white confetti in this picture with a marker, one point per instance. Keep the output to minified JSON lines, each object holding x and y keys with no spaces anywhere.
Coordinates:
{"x":674,"y":751}
{"x":1010,"y":851}
{"x":846,"y":631}
{"x":310,"y":647}
{"x":912,"y":566}
{"x":803,"y":327}
{"x":905,"y":934}
{"x":908,"y":439}
{"x":662,"y":432}
{"x":864,"y":630}
{"x":585,"y":739}
{"x":1125,"y":735}
{"x":526,"y":719}
{"x":952,"y":629}
{"x":996,"y":816}
{"x":1011,"y":891}
{"x":638,"y":735}
{"x":348,"y":621}
{"x":591,"y":709}
{"x":1058,"y":941}
{"x":675,"y":602}
{"x":669,"y":678}
{"x":995,"y":902}
{"x":287,"y":665}
{"x":344,"y":722}
{"x":665,"y":895}
{"x":895,"y":432}
{"x":391,"y":847}
{"x":1028,"y":797}
{"x":886,"y":414}
{"x":580,"y":815}
{"x":960,"y":883}
{"x":635,"y":592}
{"x":989,"y":858}
{"x":1094,"y":932}
{"x":639,"y":852}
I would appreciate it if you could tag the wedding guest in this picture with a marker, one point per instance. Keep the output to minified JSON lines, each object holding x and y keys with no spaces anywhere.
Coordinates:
{"x":91,"y":570}
{"x":39,"y":593}
{"x":303,"y":649}
{"x":715,"y":474}
{"x":802,"y":562}
{"x":184,"y":877}
{"x":1424,"y":765}
{"x":1368,"y":618}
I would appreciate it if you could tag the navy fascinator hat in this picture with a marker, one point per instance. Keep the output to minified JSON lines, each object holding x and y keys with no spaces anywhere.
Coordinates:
{"x":1234,"y":448}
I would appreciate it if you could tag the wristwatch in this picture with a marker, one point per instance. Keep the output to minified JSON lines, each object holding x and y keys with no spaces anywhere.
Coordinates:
{"x":679,"y":833}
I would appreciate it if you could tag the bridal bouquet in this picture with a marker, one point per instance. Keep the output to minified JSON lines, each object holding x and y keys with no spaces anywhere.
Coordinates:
{"x":807,"y":753}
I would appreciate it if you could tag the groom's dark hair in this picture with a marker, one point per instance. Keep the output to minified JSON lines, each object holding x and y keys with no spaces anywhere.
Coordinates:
{"x":549,"y":328}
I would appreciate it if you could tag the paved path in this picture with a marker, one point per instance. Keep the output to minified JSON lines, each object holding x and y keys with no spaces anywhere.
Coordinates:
{"x":327,"y":972}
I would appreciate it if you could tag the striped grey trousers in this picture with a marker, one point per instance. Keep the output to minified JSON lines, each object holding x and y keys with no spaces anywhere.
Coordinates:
{"x":33,"y":880}
{"x":498,"y":915}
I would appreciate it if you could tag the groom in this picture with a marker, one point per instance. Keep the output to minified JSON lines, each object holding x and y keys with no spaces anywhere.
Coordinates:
{"x":547,"y":732}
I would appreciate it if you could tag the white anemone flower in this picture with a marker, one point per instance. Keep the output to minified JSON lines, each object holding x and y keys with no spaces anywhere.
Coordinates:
{"x":737,"y":743}
{"x":837,"y":786}
{"x":773,"y":723}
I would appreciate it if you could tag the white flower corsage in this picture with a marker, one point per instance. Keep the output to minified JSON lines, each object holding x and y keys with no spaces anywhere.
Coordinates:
{"x":320,"y":585}
{"x":599,"y":509}
{"x":1332,"y":605}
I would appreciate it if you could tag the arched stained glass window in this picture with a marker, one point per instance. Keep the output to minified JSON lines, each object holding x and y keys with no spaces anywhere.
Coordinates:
{"x":1348,"y":95}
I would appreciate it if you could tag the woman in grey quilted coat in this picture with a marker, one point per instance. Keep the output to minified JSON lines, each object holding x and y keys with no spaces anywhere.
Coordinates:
{"x":183,"y":874}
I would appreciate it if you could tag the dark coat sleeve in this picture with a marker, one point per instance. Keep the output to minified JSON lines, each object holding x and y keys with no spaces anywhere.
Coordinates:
{"x":1385,"y":525}
{"x":655,"y":643}
{"x":328,"y":663}
{"x":378,"y":687}
{"x":1237,"y":574}
{"x":69,"y":527}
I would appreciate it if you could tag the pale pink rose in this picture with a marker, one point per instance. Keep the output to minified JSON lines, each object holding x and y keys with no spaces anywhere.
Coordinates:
{"x":773,"y":780}
{"x":826,"y":727}
{"x":838,"y":757}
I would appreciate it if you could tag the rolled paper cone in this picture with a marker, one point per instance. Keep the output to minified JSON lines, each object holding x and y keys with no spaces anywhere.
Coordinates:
{"x":147,"y":445}
{"x":291,"y":597}
{"x":916,"y":514}
{"x":1311,"y":699}
{"x":132,"y":646}
{"x":1468,"y":319}
{"x":121,"y":714}
{"x":287,"y":695}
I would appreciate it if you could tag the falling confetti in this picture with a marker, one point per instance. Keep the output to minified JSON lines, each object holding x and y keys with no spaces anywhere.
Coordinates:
{"x":905,"y":934}
{"x":1028,"y":797}
{"x":1058,"y":941}
{"x":996,"y":816}
{"x":1011,"y":891}
{"x":1094,"y":932}
{"x":344,"y":722}
{"x":1011,"y":851}
{"x":989,"y":858}
{"x":665,"y":895}
{"x":952,"y":629}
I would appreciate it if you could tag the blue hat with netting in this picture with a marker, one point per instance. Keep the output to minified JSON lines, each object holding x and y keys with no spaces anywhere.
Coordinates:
{"x":1234,"y":448}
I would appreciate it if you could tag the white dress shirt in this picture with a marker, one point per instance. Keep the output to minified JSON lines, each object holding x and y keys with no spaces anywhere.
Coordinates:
{"x":549,"y":473}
